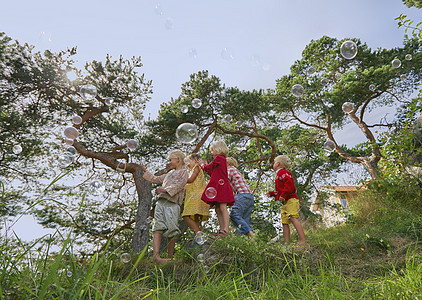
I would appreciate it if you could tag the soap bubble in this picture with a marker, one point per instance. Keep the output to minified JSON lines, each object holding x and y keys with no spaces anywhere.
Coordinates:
{"x":211,"y":192}
{"x":193,"y":53}
{"x":65,"y":159}
{"x":221,"y":181}
{"x":228,"y":118}
{"x":71,"y":150}
{"x":69,"y":274}
{"x":227,"y":54}
{"x":403,"y":77}
{"x":185,"y":109}
{"x":329,"y":146}
{"x":17,"y":149}
{"x":348,"y":107}
{"x":298,"y":90}
{"x":168,"y":24}
{"x":408,"y":57}
{"x":338,"y":76}
{"x":372,"y":87}
{"x":396,"y":63}
{"x":310,"y":70}
{"x":200,"y":238}
{"x":76,"y":120}
{"x":324,"y":81}
{"x":96,"y":187}
{"x":71,"y":75}
{"x":125,"y":258}
{"x":196,"y":103}
{"x":132,"y":144}
{"x":71,"y":133}
{"x":69,"y":142}
{"x":186,"y":160}
{"x":121,"y":167}
{"x":158,"y":10}
{"x":88,"y":92}
{"x":186,"y":133}
{"x":238,"y":123}
{"x":108,"y":100}
{"x":206,"y":269}
{"x":348,"y":49}
{"x":200,"y":257}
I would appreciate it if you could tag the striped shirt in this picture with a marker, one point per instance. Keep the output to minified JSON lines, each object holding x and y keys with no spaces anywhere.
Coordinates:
{"x":237,"y":181}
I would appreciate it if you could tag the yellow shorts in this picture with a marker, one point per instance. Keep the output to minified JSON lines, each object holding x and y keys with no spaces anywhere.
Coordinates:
{"x":290,"y":209}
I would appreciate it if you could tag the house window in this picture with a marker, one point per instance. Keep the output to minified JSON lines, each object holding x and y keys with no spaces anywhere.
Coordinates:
{"x":343,"y":200}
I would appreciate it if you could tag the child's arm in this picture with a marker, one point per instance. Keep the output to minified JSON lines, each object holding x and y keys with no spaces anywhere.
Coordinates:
{"x":152,"y":178}
{"x":194,"y":174}
{"x":285,"y":186}
{"x":211,"y":166}
{"x":178,"y":183}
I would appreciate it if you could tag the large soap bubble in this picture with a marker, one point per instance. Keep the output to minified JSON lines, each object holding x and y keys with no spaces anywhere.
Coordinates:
{"x":71,"y":133}
{"x":200,"y":257}
{"x":200,"y":238}
{"x":348,"y":49}
{"x":396,"y":63}
{"x":298,"y":90}
{"x":108,"y":101}
{"x":211,"y":192}
{"x":310,"y":71}
{"x":186,"y":133}
{"x":348,"y":107}
{"x":65,"y":159}
{"x":329,"y":146}
{"x":324,"y":81}
{"x":196,"y":103}
{"x":96,"y":187}
{"x":88,"y":92}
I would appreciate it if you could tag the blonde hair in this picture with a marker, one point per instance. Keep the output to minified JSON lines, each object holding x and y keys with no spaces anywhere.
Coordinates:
{"x":283,"y":160}
{"x":220,"y":148}
{"x":232,"y":162}
{"x":177,"y":154}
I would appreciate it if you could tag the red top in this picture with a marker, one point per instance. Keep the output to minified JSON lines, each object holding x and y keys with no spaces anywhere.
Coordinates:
{"x":284,"y":186}
{"x":219,"y":180}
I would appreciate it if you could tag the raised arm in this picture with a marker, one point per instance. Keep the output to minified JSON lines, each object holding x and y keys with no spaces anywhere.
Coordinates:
{"x":194,"y":174}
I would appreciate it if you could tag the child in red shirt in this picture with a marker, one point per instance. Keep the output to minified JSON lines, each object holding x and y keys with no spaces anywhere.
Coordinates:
{"x":286,"y":193}
{"x":218,"y":191}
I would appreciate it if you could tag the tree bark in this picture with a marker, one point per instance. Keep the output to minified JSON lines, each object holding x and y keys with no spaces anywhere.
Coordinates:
{"x":141,"y":233}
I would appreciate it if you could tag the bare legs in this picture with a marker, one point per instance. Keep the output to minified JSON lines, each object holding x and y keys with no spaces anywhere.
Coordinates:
{"x":299,"y":229}
{"x":222,"y":216}
{"x":156,"y":240}
{"x":195,"y":225}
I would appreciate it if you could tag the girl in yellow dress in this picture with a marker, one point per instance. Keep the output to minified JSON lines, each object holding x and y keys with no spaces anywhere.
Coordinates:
{"x":195,"y":210}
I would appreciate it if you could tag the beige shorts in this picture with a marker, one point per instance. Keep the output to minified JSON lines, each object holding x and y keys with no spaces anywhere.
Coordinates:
{"x":290,"y":209}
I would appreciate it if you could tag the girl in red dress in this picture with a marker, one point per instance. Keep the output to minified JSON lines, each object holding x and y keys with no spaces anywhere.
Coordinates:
{"x":218,"y":191}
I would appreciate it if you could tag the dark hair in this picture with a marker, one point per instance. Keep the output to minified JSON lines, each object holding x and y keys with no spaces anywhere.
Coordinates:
{"x":194,"y":156}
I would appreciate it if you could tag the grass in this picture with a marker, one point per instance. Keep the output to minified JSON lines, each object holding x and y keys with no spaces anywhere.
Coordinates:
{"x":376,"y":255}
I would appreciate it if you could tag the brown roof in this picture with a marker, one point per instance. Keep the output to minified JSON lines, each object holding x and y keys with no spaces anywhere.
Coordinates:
{"x":342,"y":188}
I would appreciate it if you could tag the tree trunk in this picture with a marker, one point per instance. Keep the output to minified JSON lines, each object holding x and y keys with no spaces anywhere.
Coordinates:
{"x":141,"y":233}
{"x":371,"y":165}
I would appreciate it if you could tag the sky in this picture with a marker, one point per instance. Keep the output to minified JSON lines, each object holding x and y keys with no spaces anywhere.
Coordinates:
{"x":248,"y":44}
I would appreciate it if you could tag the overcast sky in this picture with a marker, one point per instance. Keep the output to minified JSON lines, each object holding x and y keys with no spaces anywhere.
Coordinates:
{"x":246,"y":43}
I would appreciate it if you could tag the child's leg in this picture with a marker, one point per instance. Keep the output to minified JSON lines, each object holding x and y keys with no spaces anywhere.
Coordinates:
{"x":224,"y":216}
{"x":198,"y":222}
{"x":286,"y":232}
{"x":191,"y":223}
{"x":170,"y":248}
{"x":299,"y":229}
{"x":156,"y":240}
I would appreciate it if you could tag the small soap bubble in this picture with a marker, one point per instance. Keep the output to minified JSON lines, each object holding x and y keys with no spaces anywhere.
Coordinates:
{"x":65,"y":159}
{"x":324,"y":81}
{"x":193,"y":53}
{"x":96,"y":187}
{"x":17,"y":149}
{"x":338,"y":76}
{"x":76,"y":120}
{"x":185,"y":109}
{"x":403,"y":77}
{"x":329,"y":146}
{"x":200,"y":238}
{"x":88,"y":92}
{"x":158,"y":10}
{"x":297,"y":90}
{"x":348,"y":49}
{"x":372,"y":87}
{"x":310,"y":71}
{"x":125,"y":258}
{"x":69,"y":142}
{"x":69,"y":274}
{"x":396,"y":63}
{"x":228,"y":118}
{"x":206,"y":269}
{"x":132,"y":144}
{"x":71,"y":150}
{"x":200,"y":258}
{"x":168,"y":24}
{"x":227,"y":54}
{"x":196,"y":103}
{"x":256,"y":61}
{"x":238,"y":123}
{"x":186,"y":133}
{"x":211,"y":192}
{"x":71,"y":133}
{"x":408,"y":57}
{"x":221,"y":181}
{"x":348,"y":107}
{"x":108,"y":100}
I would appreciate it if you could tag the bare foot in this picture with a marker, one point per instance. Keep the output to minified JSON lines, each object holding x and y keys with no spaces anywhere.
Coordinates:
{"x":251,"y":234}
{"x":160,"y":260}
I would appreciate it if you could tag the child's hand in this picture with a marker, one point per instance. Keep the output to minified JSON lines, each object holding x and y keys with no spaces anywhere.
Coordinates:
{"x":160,"y":190}
{"x":282,"y":200}
{"x":203,"y":162}
{"x":143,"y":168}
{"x":268,"y":194}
